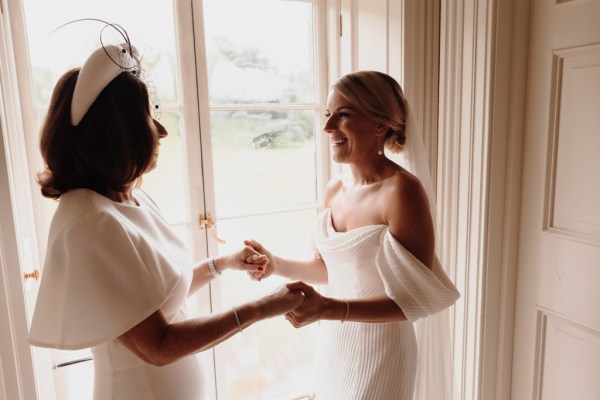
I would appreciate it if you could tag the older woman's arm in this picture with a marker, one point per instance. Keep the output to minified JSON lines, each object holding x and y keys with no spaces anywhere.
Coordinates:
{"x":158,"y":342}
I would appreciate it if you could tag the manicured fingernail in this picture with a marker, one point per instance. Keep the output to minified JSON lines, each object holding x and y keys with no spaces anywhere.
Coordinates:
{"x":260,"y":268}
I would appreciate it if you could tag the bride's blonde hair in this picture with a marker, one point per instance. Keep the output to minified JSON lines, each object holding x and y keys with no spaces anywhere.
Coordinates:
{"x":380,"y":97}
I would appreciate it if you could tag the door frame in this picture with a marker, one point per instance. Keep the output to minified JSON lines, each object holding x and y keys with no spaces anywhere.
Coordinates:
{"x":483,"y":71}
{"x":17,"y":230}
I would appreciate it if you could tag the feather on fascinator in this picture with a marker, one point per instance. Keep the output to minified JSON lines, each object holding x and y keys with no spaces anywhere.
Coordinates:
{"x":101,"y":67}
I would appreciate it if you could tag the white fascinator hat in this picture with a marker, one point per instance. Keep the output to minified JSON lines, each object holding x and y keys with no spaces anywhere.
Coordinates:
{"x":101,"y":67}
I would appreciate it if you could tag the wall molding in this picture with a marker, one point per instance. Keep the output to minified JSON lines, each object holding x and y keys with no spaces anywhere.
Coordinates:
{"x":483,"y":51}
{"x":560,"y":218}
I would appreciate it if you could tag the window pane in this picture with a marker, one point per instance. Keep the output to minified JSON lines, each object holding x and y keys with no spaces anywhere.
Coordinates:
{"x":52,"y":53}
{"x":264,"y":158}
{"x":255,"y":152}
{"x":271,"y":358}
{"x":260,"y":51}
{"x":75,"y":381}
{"x":166,"y":184}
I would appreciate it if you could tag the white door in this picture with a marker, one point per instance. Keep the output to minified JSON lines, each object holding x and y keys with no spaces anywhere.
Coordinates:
{"x":557,"y":327}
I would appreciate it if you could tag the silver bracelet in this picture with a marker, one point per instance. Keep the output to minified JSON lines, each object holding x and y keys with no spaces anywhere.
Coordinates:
{"x":212,"y":268}
{"x":347,"y":311}
{"x":237,"y":318}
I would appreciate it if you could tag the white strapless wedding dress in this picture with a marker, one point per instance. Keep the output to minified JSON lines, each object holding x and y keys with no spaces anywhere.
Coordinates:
{"x":373,"y":361}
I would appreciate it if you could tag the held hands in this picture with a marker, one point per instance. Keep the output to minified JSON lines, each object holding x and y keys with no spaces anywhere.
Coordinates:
{"x":312,"y":309}
{"x":247,"y":259}
{"x":267,"y":271}
{"x":282,"y":301}
{"x":301,"y":303}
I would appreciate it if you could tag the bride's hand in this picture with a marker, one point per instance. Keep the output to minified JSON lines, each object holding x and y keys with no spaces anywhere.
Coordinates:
{"x":269,"y":269}
{"x":247,"y":259}
{"x":281,"y":301}
{"x":312,"y":309}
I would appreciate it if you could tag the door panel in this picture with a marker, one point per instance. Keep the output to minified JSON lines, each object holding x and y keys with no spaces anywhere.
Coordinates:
{"x":569,"y":359}
{"x":557,"y":327}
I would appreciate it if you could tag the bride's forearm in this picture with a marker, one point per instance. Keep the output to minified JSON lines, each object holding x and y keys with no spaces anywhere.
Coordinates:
{"x":311,"y":271}
{"x":374,"y":309}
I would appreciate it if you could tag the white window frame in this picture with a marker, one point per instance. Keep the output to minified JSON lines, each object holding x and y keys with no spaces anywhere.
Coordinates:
{"x":19,"y":252}
{"x":204,"y":156}
{"x":27,"y":207}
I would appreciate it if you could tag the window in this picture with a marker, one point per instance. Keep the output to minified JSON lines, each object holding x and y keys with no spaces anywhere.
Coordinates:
{"x":264,"y":119}
{"x":253,"y":162}
{"x":51,"y":52}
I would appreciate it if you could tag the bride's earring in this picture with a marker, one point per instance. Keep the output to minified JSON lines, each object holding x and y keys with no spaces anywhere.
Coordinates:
{"x":380,"y":152}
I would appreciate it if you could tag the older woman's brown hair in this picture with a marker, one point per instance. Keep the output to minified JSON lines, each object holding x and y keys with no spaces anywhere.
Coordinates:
{"x":113,"y":145}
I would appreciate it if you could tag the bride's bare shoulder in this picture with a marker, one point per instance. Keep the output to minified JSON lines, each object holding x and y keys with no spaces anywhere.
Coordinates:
{"x":402,"y":183}
{"x":333,"y":187}
{"x":407,"y":214}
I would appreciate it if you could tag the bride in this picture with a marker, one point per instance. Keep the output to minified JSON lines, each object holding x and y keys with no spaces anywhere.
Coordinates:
{"x":376,"y":254}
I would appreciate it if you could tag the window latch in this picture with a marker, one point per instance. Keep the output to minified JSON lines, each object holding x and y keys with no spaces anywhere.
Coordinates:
{"x":208,"y":222}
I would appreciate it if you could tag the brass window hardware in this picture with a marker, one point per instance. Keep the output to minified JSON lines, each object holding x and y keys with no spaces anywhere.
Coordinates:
{"x":35,"y":275}
{"x":209,"y":223}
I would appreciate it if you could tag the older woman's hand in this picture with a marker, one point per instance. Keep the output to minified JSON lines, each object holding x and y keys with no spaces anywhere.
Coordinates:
{"x":247,"y":259}
{"x":281,"y":301}
{"x":269,"y":269}
{"x":314,"y":307}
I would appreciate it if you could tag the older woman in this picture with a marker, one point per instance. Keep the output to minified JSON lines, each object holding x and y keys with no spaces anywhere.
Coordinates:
{"x":116,"y":276}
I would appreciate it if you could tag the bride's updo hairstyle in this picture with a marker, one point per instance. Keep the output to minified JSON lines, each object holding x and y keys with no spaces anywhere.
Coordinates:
{"x":380,"y":97}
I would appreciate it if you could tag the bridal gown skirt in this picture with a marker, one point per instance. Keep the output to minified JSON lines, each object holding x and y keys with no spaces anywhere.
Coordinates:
{"x":366,"y":361}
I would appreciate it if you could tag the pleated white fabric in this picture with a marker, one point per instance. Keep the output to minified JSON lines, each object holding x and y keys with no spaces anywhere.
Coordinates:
{"x":373,"y":361}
